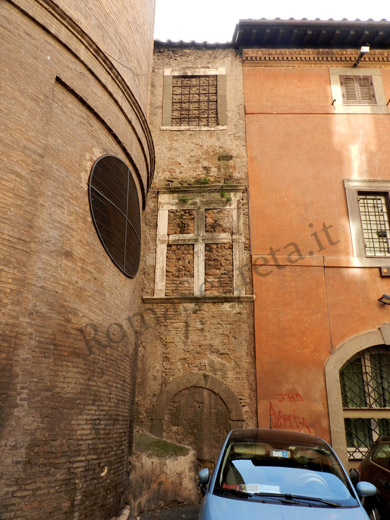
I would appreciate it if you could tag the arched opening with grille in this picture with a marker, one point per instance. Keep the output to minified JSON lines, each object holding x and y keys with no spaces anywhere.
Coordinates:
{"x":116,"y":213}
{"x":365,"y":393}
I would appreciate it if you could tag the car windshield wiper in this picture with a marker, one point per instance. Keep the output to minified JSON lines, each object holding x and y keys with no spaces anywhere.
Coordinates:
{"x":232,"y":491}
{"x":296,"y":498}
{"x":286,"y":498}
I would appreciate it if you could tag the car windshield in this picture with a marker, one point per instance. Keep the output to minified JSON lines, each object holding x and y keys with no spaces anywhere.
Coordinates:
{"x":257,"y":469}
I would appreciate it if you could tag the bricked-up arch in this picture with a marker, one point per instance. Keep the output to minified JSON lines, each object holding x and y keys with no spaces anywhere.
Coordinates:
{"x":207,"y":391}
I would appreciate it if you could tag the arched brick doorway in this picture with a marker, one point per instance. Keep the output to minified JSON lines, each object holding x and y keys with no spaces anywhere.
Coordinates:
{"x":197,"y":410}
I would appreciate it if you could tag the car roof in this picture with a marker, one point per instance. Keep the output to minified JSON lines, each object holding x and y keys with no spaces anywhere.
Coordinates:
{"x":264,"y":435}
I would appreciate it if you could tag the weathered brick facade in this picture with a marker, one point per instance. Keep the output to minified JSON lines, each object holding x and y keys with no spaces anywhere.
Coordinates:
{"x":197,"y":349}
{"x":74,"y":88}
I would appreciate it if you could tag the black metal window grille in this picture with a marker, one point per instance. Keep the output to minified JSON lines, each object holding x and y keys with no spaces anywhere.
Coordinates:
{"x":116,"y":212}
{"x":374,"y":217}
{"x":365,"y":391}
{"x":358,"y":90}
{"x":361,"y":433}
{"x":194,"y":101}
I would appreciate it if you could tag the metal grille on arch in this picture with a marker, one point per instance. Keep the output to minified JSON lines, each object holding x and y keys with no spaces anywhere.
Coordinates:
{"x":365,"y":389}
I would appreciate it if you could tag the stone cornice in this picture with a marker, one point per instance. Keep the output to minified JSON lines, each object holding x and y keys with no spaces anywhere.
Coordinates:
{"x":246,"y":298}
{"x":313,"y":57}
{"x":202,"y":188}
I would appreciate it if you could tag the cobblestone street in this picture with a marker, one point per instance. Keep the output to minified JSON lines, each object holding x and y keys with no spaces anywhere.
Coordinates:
{"x":174,"y":513}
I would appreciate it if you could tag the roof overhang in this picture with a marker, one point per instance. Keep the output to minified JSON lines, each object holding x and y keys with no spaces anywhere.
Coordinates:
{"x":306,"y":34}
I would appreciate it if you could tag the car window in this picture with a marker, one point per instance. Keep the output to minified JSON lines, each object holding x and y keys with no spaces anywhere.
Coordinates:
{"x":297,"y":470}
{"x":381,"y":455}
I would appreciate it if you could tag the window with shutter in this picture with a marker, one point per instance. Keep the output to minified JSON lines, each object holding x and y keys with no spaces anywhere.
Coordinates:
{"x":358,"y":90}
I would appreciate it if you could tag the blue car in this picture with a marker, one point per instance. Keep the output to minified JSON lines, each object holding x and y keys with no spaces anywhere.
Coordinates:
{"x":279,"y":475}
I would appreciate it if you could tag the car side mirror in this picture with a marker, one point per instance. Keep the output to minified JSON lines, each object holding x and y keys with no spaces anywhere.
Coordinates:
{"x":366,"y":489}
{"x":204,"y":477}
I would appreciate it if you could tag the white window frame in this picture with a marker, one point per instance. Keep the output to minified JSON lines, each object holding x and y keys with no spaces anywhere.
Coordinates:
{"x":199,"y":202}
{"x":352,"y":189}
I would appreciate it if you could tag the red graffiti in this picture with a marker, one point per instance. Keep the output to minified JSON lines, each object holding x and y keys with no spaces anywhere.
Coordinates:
{"x":291,"y":398}
{"x":288,"y":421}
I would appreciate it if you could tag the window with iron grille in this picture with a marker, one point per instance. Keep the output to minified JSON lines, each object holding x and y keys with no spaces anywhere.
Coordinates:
{"x":116,"y":213}
{"x":194,"y":101}
{"x":358,"y":90}
{"x":374,"y":216}
{"x":369,"y":218}
{"x":365,"y":390}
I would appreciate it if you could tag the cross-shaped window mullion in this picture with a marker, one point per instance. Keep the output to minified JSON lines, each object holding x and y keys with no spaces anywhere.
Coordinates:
{"x":199,"y":239}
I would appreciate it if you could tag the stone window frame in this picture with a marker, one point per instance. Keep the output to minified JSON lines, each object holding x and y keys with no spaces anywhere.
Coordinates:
{"x":200,"y":200}
{"x":355,"y":92}
{"x":342,"y":354}
{"x":380,"y":107}
{"x":371,"y":394}
{"x":352,"y":189}
{"x":167,"y":97}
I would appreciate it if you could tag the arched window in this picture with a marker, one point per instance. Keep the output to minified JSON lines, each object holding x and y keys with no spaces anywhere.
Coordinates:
{"x":116,"y":212}
{"x":365,"y":393}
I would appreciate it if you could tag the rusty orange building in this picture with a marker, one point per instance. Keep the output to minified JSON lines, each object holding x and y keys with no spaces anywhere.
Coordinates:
{"x":318,"y":131}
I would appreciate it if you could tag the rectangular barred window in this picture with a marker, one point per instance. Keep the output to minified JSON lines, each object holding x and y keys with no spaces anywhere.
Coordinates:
{"x":375,"y":223}
{"x":358,"y":90}
{"x":194,"y":101}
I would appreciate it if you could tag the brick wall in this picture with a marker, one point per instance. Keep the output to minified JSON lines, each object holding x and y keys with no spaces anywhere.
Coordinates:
{"x":68,"y":342}
{"x":119,"y":28}
{"x":197,"y":352}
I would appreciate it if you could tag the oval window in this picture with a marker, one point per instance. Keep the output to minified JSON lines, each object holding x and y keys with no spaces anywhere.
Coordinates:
{"x":116,"y":213}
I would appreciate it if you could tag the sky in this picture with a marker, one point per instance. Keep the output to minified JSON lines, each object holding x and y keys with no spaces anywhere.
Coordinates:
{"x":215,"y":20}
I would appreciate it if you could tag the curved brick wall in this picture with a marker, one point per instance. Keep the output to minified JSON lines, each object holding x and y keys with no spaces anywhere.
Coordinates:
{"x":68,"y":315}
